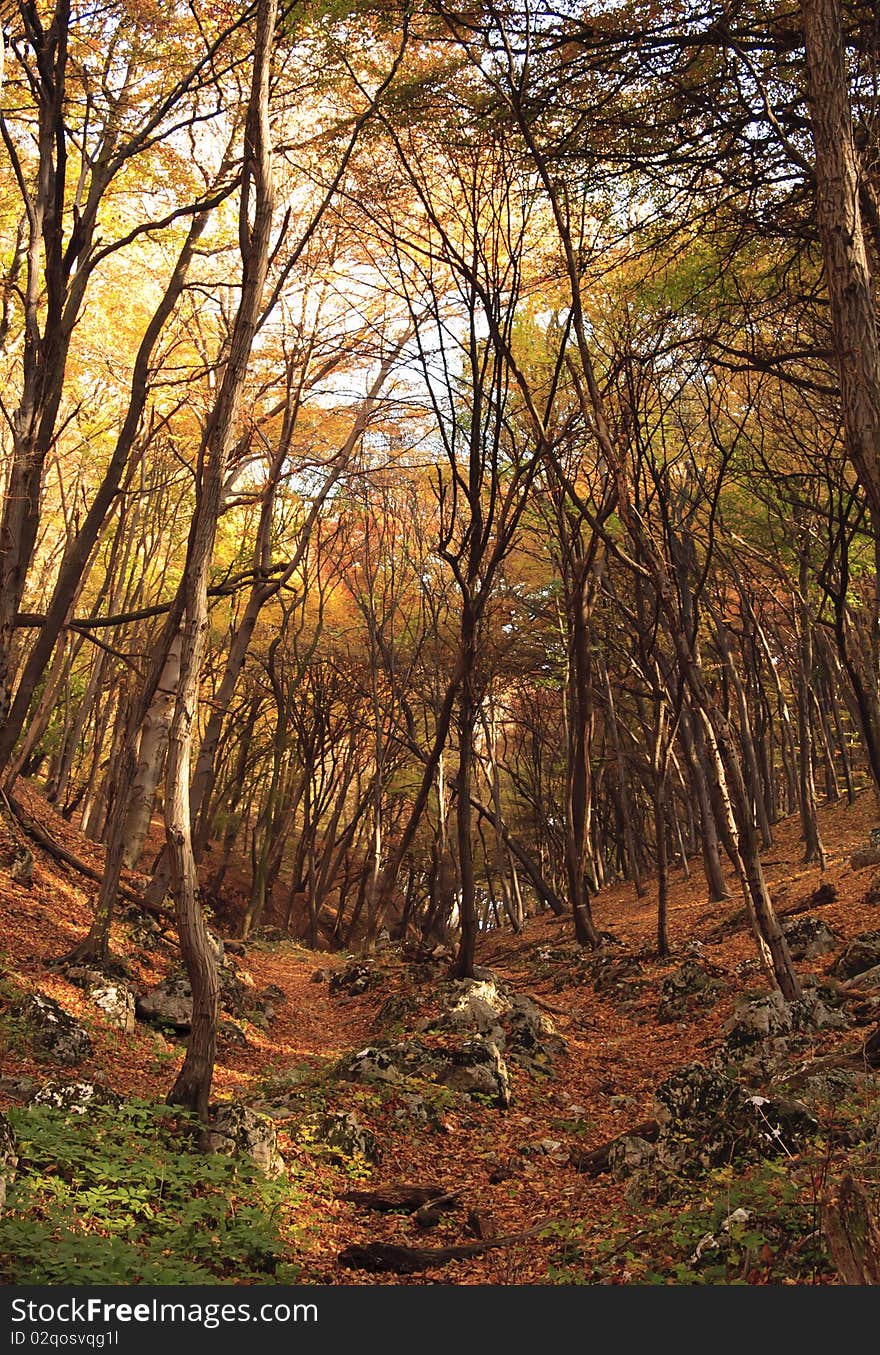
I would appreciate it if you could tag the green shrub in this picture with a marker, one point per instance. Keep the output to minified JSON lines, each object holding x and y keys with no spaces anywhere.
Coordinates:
{"x":121,"y":1195}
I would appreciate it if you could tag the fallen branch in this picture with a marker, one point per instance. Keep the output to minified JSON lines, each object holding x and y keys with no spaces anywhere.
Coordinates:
{"x":431,"y":1213}
{"x":395,"y":1195}
{"x":41,"y":837}
{"x":597,"y":1160}
{"x":546,"y":1006}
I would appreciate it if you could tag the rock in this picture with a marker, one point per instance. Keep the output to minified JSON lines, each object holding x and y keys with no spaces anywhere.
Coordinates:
{"x":274,"y":934}
{"x":241,"y":1132}
{"x":513,"y":1022}
{"x":75,"y":1097}
{"x":707,"y":1119}
{"x":117,"y":1003}
{"x":54,"y":1032}
{"x":770,"y":1017}
{"x":231,"y":1036}
{"x":8,"y":1158}
{"x":22,"y":871}
{"x":531,"y":1037}
{"x":235,"y":992}
{"x":756,"y":1019}
{"x":396,"y":1010}
{"x":865,"y":856}
{"x":552,"y":1147}
{"x":97,"y":973}
{"x":629,"y":1154}
{"x":389,"y":1064}
{"x":477,"y":1067}
{"x":614,"y":975}
{"x":354,"y":978}
{"x":321,"y":975}
{"x":691,"y":985}
{"x":19,"y":1089}
{"x":821,"y":1089}
{"x":266,"y":1002}
{"x":168,"y":1005}
{"x":473,"y":1066}
{"x":861,"y":953}
{"x":413,"y":1108}
{"x":471,"y":1005}
{"x":808,"y":937}
{"x":343,"y":1133}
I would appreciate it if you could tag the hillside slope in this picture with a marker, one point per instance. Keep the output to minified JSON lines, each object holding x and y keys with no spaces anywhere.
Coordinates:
{"x":521,"y":1171}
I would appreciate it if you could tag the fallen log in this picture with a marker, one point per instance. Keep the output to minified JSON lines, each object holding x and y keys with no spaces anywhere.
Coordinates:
{"x":595,"y":1161}
{"x":395,"y":1195}
{"x":38,"y":834}
{"x":822,"y":897}
{"x":431,"y":1213}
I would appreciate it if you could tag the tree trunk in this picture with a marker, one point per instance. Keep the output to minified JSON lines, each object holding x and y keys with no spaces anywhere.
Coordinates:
{"x":192,"y":1086}
{"x":578,"y":788}
{"x":853,"y":314}
{"x":151,"y":758}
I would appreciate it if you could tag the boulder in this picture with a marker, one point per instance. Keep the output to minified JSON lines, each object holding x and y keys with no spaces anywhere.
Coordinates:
{"x":713,"y":1119}
{"x":22,"y":871}
{"x":168,"y":1005}
{"x":93,"y":975}
{"x":413,"y":1108}
{"x":693,"y":984}
{"x":231,"y":1036}
{"x":859,"y":954}
{"x":615,"y":974}
{"x":473,"y":1066}
{"x":472,"y":1005}
{"x":53,"y":1031}
{"x":396,"y":1010}
{"x":629,"y":1154}
{"x":513,"y":1022}
{"x":531,"y":1037}
{"x":476,"y":1066}
{"x":391,"y":1064}
{"x":865,"y":856}
{"x":344,"y":1135}
{"x":354,"y":978}
{"x":808,"y":937}
{"x":116,"y":1001}
{"x":75,"y":1097}
{"x":265,"y":1003}
{"x":770,"y":1017}
{"x":703,"y":1119}
{"x":235,"y":992}
{"x":239,"y":1131}
{"x":19,"y":1089}
{"x":272,"y":934}
{"x":8,"y":1158}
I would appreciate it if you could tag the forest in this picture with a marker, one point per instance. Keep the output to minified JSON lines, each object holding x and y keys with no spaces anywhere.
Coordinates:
{"x":439,"y":642}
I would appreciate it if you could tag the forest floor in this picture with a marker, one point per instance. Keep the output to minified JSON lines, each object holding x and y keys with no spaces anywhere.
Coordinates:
{"x":515,"y":1168}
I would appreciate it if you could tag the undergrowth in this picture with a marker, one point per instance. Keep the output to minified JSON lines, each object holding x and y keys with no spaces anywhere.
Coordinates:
{"x":120,"y":1195}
